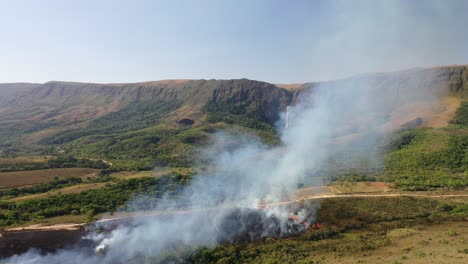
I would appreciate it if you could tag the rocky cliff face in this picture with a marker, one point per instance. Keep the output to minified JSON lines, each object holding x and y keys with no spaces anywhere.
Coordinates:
{"x":261,"y":100}
{"x":87,"y":100}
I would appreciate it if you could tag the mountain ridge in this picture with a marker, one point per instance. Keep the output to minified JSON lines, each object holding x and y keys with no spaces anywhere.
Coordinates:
{"x":50,"y":116}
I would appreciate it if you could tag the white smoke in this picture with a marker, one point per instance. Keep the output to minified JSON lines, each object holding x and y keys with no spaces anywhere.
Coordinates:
{"x":347,"y":116}
{"x":386,"y":35}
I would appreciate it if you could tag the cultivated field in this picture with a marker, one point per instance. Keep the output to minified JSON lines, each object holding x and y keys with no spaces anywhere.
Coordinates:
{"x":25,"y":178}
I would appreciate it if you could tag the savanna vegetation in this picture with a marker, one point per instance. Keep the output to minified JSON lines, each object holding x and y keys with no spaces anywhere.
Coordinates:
{"x":352,"y":228}
{"x":138,"y":137}
{"x":52,"y":163}
{"x":23,"y":179}
{"x":91,"y":202}
{"x":40,"y":188}
{"x":426,"y":158}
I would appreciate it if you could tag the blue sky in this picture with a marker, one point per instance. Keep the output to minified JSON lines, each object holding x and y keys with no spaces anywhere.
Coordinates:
{"x":270,"y":40}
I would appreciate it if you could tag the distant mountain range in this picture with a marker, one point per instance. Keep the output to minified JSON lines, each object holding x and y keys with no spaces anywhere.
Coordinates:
{"x":85,"y":118}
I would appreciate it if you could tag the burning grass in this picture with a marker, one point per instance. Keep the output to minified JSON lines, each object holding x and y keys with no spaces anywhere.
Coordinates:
{"x":373,"y":230}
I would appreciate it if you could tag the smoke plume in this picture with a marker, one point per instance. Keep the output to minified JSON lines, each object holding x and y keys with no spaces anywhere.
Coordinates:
{"x":339,"y":124}
{"x":348,"y":118}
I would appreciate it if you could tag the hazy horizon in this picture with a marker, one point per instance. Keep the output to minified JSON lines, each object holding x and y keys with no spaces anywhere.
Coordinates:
{"x":272,"y":41}
{"x":275,"y":83}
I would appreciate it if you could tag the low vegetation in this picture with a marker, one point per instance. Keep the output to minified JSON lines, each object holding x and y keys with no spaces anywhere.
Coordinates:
{"x":351,"y":228}
{"x":52,"y":163}
{"x":461,"y":116}
{"x":425,"y":158}
{"x":23,"y":179}
{"x":40,"y":188}
{"x":241,"y":116}
{"x":91,"y":202}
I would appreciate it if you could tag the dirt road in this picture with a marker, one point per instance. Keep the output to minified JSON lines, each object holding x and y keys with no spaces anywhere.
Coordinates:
{"x":269,"y":205}
{"x":124,"y":216}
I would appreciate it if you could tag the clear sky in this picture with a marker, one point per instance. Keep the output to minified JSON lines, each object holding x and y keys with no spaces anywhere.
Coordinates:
{"x":271,"y":40}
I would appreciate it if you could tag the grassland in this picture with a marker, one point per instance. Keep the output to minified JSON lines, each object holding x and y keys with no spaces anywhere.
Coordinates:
{"x":156,"y":172}
{"x":360,"y":187}
{"x":27,"y":178}
{"x":38,"y":159}
{"x":440,"y":243}
{"x":71,"y":189}
{"x":90,"y":199}
{"x":357,"y":230}
{"x":418,"y":244}
{"x":421,"y":159}
{"x":99,"y":182}
{"x":53,"y":221}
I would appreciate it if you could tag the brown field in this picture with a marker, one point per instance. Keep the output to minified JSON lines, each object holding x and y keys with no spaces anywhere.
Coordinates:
{"x":25,"y":178}
{"x":444,"y":243}
{"x":71,"y":189}
{"x":314,"y":190}
{"x":131,"y":174}
{"x":359,"y":187}
{"x":153,"y":173}
{"x":24,"y":159}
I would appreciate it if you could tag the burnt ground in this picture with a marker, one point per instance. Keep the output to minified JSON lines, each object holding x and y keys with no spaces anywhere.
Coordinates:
{"x":236,"y":226}
{"x":46,"y":241}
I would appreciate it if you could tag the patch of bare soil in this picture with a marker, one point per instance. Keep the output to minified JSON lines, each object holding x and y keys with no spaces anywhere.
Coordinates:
{"x":47,"y":227}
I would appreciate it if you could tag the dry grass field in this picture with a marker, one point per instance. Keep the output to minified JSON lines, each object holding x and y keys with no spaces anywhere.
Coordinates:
{"x":24,"y":159}
{"x":58,"y":222}
{"x":359,"y":187}
{"x":71,"y":189}
{"x":25,"y":178}
{"x":154,"y":173}
{"x":444,"y":243}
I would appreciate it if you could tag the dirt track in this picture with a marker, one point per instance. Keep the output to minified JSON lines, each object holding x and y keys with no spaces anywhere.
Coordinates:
{"x":312,"y":197}
{"x":363,"y":195}
{"x":127,"y":216}
{"x":47,"y":227}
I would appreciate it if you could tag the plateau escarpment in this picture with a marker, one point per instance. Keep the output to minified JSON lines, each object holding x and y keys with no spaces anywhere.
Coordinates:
{"x":165,"y":120}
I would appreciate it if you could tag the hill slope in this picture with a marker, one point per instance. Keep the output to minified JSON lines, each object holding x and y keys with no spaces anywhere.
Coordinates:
{"x":162,"y":122}
{"x":10,"y":90}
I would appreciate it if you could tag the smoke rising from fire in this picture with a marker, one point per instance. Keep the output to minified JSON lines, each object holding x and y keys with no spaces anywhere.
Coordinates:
{"x":341,"y":123}
{"x":348,"y":118}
